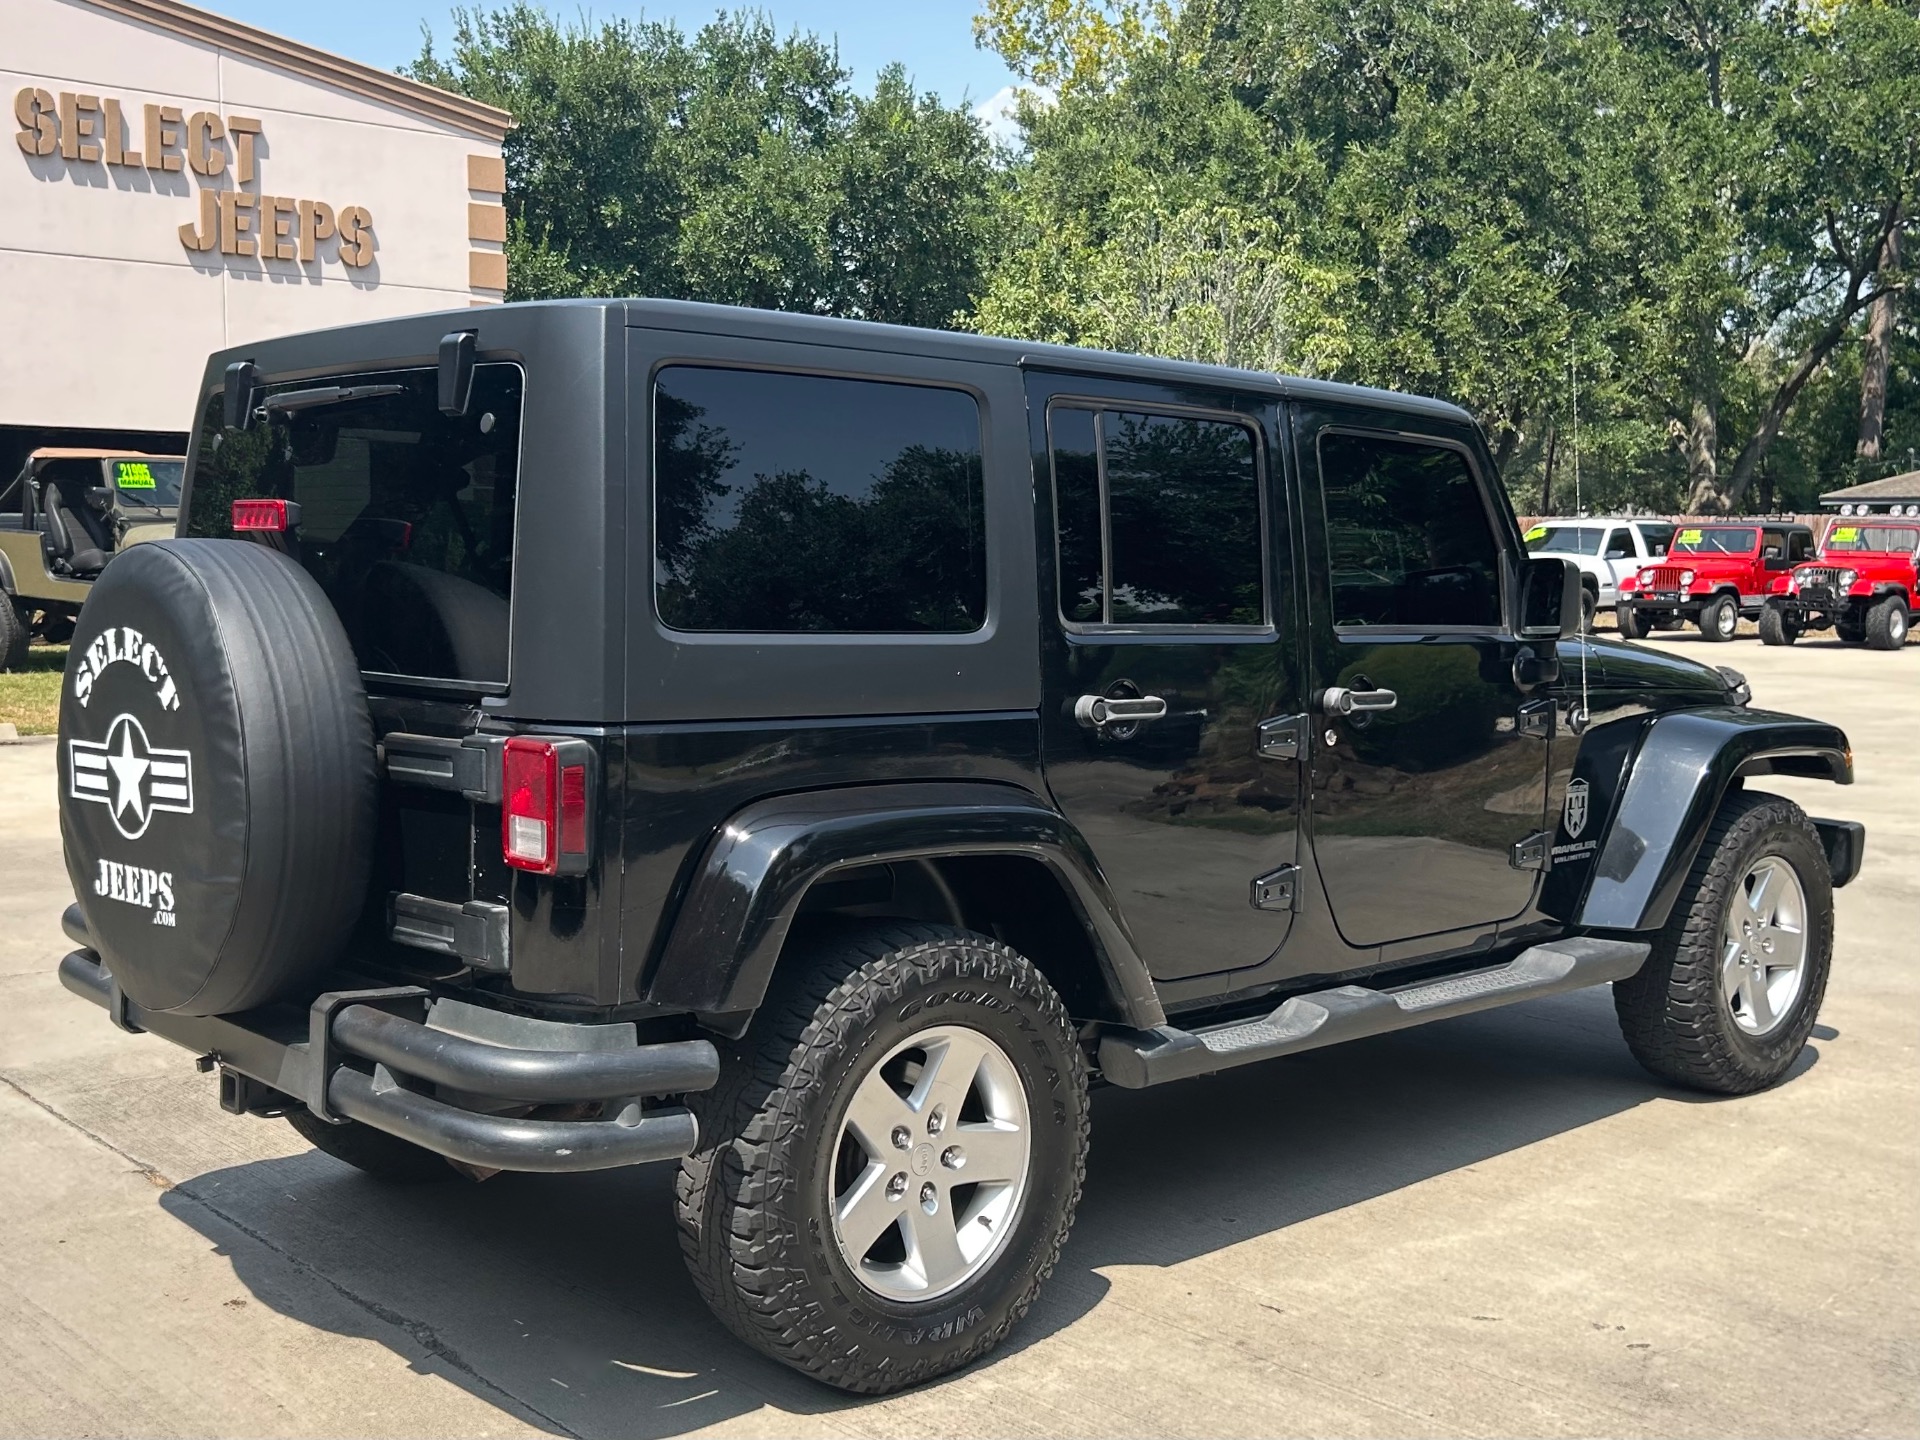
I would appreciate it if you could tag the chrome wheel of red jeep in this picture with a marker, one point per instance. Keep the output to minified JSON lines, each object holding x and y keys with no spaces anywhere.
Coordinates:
{"x":931,"y":1164}
{"x":1763,"y":946}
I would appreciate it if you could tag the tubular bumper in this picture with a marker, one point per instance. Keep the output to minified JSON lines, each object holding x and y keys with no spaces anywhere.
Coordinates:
{"x":356,"y":1055}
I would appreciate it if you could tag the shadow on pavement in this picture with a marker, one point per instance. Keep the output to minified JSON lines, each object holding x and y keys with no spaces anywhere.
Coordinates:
{"x":563,"y":1299}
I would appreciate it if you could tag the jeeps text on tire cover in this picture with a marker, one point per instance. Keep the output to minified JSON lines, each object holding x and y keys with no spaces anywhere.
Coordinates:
{"x":814,"y":753}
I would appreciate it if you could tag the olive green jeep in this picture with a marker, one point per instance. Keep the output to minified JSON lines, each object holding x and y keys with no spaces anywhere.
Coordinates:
{"x":62,"y":518}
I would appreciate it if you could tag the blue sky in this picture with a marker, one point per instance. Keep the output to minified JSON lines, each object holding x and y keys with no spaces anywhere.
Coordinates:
{"x":932,"y":38}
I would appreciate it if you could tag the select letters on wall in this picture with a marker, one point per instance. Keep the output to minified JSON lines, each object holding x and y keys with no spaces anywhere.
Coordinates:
{"x":91,"y":129}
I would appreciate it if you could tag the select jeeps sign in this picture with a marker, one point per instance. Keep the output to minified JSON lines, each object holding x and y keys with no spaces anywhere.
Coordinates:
{"x":90,"y":130}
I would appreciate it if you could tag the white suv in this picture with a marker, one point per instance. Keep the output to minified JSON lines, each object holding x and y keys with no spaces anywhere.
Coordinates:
{"x":1605,"y":550}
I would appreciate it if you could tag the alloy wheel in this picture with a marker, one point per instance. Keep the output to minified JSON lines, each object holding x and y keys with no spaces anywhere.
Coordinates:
{"x":931,"y":1164}
{"x":1763,"y":952}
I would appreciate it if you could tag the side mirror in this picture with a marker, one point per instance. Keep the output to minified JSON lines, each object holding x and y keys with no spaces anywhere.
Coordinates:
{"x":1550,"y":600}
{"x":100,"y":498}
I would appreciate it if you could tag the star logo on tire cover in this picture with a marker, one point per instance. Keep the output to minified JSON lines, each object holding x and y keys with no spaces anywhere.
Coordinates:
{"x":132,"y":778}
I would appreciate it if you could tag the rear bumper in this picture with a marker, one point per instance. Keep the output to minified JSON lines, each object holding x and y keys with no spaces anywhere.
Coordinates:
{"x":363,"y":1055}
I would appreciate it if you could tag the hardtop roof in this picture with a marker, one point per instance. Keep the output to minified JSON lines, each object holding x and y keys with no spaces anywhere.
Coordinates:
{"x":869,"y":335}
{"x":402,"y":334}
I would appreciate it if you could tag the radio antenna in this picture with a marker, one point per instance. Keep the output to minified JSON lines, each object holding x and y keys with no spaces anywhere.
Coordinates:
{"x":1579,"y":508}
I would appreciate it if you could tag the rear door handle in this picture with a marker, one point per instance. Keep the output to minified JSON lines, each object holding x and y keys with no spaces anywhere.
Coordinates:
{"x":1096,"y":712}
{"x":1336,"y":700}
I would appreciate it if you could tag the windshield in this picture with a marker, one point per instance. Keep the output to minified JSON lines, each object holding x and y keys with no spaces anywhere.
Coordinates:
{"x":1715,"y":540}
{"x":406,"y":514}
{"x":1893,"y":539}
{"x":153,"y":483}
{"x":1564,"y":539}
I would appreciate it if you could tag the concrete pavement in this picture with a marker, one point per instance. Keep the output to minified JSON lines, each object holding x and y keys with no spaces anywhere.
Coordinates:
{"x":1495,"y":1225}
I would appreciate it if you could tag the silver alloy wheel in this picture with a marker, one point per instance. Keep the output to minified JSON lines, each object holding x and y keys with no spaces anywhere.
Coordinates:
{"x":930,"y":1164}
{"x":1763,"y":952}
{"x":1728,"y":619}
{"x":1897,"y":625}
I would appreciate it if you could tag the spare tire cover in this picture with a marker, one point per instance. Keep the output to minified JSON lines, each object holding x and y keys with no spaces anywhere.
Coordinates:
{"x":217,"y":784}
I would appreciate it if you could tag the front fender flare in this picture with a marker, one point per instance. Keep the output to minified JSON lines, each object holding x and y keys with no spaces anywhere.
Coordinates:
{"x":1684,"y":765}
{"x":748,"y":884}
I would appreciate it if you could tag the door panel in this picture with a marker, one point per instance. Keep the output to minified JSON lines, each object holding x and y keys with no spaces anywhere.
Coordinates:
{"x":1161,"y":513}
{"x":1417,"y":808}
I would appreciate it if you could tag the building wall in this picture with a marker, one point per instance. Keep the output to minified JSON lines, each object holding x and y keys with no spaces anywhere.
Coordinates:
{"x":107,"y":310}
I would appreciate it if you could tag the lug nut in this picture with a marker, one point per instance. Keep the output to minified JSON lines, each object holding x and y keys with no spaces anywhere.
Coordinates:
{"x":902,"y":1137}
{"x":897,"y":1186}
{"x":953,"y":1157}
{"x":937,"y":1121}
{"x":929,"y":1198}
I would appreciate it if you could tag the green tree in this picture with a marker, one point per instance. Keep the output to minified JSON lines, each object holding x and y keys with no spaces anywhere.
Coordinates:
{"x":736,"y":166}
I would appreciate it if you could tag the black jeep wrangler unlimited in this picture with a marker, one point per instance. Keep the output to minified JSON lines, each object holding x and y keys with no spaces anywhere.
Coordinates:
{"x":815,"y":753}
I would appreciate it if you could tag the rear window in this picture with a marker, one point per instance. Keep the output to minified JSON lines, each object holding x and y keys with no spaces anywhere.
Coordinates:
{"x":406,"y":514}
{"x":810,"y":503}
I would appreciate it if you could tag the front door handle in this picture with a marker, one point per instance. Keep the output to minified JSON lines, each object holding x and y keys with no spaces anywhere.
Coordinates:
{"x":1096,"y":712}
{"x":1337,"y":700}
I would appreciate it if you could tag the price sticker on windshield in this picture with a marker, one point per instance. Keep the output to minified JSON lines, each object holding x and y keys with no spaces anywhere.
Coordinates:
{"x":1538,"y":532}
{"x":1845,"y":532}
{"x":1688,"y":537}
{"x":133,"y":475}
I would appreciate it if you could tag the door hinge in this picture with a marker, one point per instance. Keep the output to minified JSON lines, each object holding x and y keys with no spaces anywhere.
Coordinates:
{"x":1280,"y":737}
{"x":1536,"y":718}
{"x":1533,"y":853}
{"x":1277,"y":891}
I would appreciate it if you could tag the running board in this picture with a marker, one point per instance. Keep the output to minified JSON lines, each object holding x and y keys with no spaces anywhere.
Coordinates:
{"x":1139,"y":1058}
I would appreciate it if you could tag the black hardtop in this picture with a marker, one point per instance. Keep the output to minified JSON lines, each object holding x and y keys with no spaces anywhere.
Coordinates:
{"x":413,"y":339}
{"x":585,"y":648}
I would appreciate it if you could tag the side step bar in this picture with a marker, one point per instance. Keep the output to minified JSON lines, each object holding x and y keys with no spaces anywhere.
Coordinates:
{"x":1139,"y":1058}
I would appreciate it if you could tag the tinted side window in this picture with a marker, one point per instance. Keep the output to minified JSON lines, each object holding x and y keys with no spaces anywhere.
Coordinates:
{"x":1408,"y":537}
{"x":406,"y":514}
{"x":797,"y":503}
{"x":1180,"y":544}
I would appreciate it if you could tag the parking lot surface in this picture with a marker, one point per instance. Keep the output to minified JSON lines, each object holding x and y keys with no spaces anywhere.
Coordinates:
{"x":1493,"y":1225}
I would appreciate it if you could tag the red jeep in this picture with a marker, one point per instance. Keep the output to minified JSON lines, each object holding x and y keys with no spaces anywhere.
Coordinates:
{"x":1863,"y":585}
{"x":1713,"y":575}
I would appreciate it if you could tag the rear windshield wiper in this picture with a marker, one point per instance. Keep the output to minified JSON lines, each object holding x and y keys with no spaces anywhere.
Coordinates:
{"x":326,"y":395}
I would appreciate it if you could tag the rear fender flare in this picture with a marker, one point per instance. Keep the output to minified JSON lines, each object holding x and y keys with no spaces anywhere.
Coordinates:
{"x":749,"y":882}
{"x":1686,"y":762}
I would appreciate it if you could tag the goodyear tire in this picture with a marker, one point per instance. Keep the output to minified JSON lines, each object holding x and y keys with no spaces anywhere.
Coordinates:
{"x":900,"y":1078}
{"x":217,"y":784}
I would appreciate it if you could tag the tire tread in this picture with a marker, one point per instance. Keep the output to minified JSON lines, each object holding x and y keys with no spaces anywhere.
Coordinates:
{"x":723,"y":1197}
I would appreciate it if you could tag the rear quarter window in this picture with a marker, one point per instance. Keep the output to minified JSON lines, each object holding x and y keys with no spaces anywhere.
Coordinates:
{"x":791,"y":503}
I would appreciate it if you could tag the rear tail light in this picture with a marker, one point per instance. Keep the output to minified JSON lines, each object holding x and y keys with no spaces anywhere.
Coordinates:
{"x":274,"y":516}
{"x":546,"y":793}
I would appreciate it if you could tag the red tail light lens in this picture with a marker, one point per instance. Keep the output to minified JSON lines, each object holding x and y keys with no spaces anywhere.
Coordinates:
{"x":545,"y":797}
{"x":528,"y":822}
{"x":269,"y":515}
